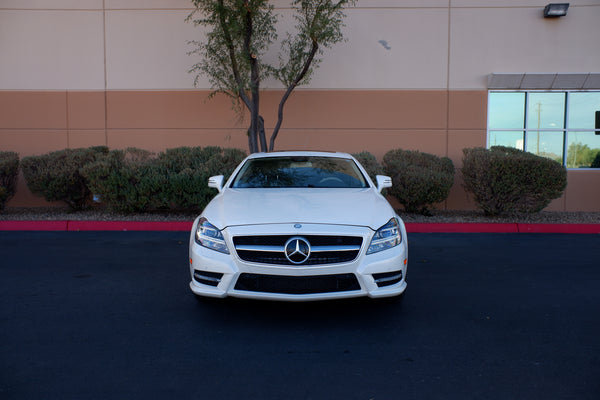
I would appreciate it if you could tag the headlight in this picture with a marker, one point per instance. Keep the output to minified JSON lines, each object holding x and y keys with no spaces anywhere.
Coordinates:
{"x":209,"y":236}
{"x":386,"y":237}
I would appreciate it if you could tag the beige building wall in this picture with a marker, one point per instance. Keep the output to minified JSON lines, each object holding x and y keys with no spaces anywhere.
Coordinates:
{"x":412,"y":74}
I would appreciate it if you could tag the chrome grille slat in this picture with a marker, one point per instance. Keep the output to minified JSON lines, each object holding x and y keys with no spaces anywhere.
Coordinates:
{"x":272,"y":249}
{"x":313,"y":249}
{"x":324,"y":249}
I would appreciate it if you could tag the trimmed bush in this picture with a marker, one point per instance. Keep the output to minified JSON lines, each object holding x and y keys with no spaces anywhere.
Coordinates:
{"x":9,"y":172}
{"x":225,"y":162}
{"x":188,"y":170}
{"x":504,"y":179}
{"x":180,"y":158}
{"x":420,"y":179}
{"x":214,"y":160}
{"x":127,"y":181}
{"x":56,"y":177}
{"x":370,"y":163}
{"x":134,"y":180}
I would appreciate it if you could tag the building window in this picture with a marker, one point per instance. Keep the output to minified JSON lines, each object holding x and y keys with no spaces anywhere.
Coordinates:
{"x":561,"y":125}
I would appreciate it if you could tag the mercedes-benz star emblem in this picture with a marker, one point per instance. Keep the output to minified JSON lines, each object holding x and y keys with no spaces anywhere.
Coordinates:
{"x":297,"y":250}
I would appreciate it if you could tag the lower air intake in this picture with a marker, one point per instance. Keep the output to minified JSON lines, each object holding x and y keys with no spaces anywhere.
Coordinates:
{"x":297,"y":284}
{"x":387,"y":278}
{"x":207,"y":278}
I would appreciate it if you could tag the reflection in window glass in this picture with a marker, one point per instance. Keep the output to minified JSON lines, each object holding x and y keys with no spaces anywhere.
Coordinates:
{"x":506,"y":138}
{"x":582,"y":149}
{"x":506,"y":110}
{"x":582,"y":109}
{"x":299,"y":172}
{"x":575,"y":144}
{"x":546,"y":144}
{"x":546,"y":110}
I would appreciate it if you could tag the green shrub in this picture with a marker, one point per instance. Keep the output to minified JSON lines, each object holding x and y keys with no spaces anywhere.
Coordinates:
{"x":188,"y":170}
{"x":213,"y":160}
{"x":127,"y":181}
{"x":419,"y":179}
{"x":9,"y":172}
{"x":225,"y":162}
{"x":370,"y":163}
{"x":133,"y":180}
{"x":180,"y":158}
{"x":56,"y":176}
{"x":504,"y":179}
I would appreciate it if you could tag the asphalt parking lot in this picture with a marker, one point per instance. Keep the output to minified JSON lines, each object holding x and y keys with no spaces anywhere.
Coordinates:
{"x":106,"y":315}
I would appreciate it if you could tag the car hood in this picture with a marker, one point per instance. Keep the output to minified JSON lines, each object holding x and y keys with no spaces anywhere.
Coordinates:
{"x":359,"y":207}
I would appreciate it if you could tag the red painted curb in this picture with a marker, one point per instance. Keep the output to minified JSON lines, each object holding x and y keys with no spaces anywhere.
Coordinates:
{"x":185,"y":226}
{"x":560,"y":228}
{"x":420,"y":227}
{"x":172,"y":226}
{"x":74,"y":226}
{"x":33,"y":225}
{"x":475,"y":227}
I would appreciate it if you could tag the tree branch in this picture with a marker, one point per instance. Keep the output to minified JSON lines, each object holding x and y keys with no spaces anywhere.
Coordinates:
{"x":288,"y":92}
{"x":231,"y":48}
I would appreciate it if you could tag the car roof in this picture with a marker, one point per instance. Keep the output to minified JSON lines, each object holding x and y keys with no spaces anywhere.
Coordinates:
{"x":300,"y":154}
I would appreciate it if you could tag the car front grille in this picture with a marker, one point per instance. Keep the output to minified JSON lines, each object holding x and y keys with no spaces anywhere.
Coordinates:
{"x":323,"y":249}
{"x":297,"y":284}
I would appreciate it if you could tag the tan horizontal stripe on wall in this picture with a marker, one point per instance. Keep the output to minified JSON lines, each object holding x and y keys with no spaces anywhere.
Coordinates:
{"x":33,"y":110}
{"x":160,"y":119}
{"x":305,"y":109}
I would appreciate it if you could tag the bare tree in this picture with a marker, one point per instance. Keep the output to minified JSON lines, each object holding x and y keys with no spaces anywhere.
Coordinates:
{"x":239,"y":33}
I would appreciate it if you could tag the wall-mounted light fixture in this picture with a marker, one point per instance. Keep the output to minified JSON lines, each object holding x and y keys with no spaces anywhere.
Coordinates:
{"x":554,"y":10}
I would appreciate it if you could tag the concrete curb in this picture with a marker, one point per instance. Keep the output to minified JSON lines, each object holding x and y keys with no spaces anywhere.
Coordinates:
{"x":181,"y":226}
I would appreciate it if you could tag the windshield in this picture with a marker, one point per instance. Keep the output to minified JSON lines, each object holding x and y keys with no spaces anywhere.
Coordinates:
{"x":300,"y":172}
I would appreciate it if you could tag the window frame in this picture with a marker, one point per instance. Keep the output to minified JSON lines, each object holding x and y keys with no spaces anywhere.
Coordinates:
{"x":565,"y":130}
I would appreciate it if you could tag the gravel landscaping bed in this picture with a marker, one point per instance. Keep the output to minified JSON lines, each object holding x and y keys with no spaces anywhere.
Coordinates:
{"x":438,"y":216}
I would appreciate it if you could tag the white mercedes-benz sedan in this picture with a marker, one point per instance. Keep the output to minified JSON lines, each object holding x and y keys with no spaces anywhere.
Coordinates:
{"x":298,"y":226}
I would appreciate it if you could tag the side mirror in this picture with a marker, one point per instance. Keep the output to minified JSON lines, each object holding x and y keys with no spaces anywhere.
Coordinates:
{"x":383,"y":182}
{"x":216,"y":182}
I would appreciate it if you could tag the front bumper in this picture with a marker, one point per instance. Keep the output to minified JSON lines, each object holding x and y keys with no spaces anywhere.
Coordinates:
{"x":215,"y":274}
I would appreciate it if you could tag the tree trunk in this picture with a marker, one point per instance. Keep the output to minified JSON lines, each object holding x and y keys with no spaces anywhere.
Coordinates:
{"x":257,"y":137}
{"x":251,"y":141}
{"x":255,"y":118}
{"x":261,"y":134}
